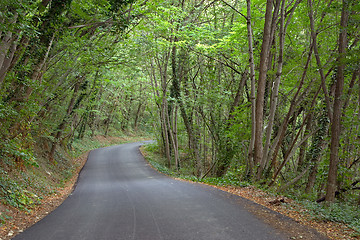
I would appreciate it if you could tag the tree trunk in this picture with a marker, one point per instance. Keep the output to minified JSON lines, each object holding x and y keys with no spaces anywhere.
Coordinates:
{"x":250,"y":163}
{"x":165,"y":131}
{"x":274,"y":93}
{"x":39,"y":68}
{"x":172,"y":141}
{"x":109,"y":119}
{"x":312,"y":178}
{"x":336,"y":118}
{"x":137,"y":116}
{"x":175,"y":140}
{"x":191,"y":132}
{"x":6,"y":42}
{"x":6,"y":65}
{"x":259,"y":104}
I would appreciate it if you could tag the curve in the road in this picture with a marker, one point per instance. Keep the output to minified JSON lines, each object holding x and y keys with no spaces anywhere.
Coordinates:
{"x":119,"y":196}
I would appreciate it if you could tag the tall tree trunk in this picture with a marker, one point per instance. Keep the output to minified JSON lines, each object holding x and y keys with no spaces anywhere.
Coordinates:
{"x":175,"y":140}
{"x":274,"y":93}
{"x":161,"y":106}
{"x":336,"y":118}
{"x":259,"y":104}
{"x":164,"y":112}
{"x":165,"y":131}
{"x":6,"y":67}
{"x":6,"y":42}
{"x":250,"y":164}
{"x":179,"y":74}
{"x":137,"y":115}
{"x":281,"y":134}
{"x":109,"y":119}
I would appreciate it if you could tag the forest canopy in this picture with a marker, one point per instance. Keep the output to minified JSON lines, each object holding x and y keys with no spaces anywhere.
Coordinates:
{"x":266,"y":92}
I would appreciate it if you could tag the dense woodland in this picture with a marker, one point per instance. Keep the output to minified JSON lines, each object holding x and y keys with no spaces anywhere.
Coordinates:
{"x":267,"y":92}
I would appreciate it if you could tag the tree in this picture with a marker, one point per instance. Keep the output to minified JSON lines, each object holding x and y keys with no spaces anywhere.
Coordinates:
{"x":336,"y":117}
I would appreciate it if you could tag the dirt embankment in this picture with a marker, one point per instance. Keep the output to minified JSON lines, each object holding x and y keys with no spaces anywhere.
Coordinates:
{"x":19,"y":220}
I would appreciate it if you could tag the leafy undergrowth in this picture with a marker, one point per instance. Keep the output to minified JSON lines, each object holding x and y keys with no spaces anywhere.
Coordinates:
{"x":30,"y":192}
{"x":335,"y":212}
{"x":336,"y":221}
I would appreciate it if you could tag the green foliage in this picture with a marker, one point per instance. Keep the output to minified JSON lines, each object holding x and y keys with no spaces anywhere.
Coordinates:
{"x":4,"y":217}
{"x":127,"y":75}
{"x":81,"y":145}
{"x":155,"y":159}
{"x":16,"y":194}
{"x":15,"y":149}
{"x":335,"y":212}
{"x":226,"y":180}
{"x":231,"y":178}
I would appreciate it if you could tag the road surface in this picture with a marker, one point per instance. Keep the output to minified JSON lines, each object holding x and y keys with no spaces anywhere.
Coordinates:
{"x":119,"y":196}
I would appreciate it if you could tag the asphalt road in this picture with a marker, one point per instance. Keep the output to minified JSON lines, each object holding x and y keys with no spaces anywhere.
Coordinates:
{"x":119,"y":196}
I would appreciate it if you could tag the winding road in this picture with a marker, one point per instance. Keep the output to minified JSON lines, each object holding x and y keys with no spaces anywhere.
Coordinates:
{"x":119,"y":196}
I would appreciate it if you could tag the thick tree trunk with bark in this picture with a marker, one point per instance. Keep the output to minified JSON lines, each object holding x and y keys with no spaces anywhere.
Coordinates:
{"x":137,"y":115}
{"x":336,"y":117}
{"x":274,"y":93}
{"x":263,"y":68}
{"x":164,"y":124}
{"x":6,"y":43}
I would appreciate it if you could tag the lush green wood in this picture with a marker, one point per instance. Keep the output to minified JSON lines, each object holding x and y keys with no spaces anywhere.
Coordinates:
{"x":181,"y":70}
